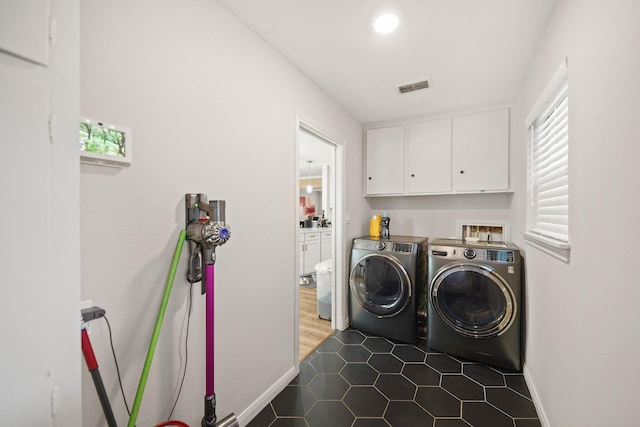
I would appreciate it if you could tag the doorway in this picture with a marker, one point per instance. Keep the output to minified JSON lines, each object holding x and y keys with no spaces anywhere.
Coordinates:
{"x":319,"y":232}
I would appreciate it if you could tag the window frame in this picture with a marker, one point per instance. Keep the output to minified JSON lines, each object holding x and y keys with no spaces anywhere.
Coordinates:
{"x":559,"y":248}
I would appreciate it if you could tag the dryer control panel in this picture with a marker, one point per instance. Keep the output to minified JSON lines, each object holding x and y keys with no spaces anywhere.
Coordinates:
{"x":386,"y":246}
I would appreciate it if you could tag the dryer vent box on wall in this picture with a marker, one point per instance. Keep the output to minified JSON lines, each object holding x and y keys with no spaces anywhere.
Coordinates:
{"x":483,"y":231}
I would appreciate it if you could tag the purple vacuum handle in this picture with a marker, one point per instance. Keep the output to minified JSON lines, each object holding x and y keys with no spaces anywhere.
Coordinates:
{"x":210,"y":375}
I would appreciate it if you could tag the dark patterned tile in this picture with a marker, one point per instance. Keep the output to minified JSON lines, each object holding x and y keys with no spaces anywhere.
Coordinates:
{"x":450,"y":422}
{"x":438,"y":402}
{"x":386,"y":363}
{"x":395,"y":387}
{"x":306,"y":374}
{"x":528,"y":423}
{"x":421,"y":374}
{"x":378,"y":345}
{"x":330,"y":345}
{"x":264,"y":418}
{"x":370,"y":422}
{"x":407,"y":414}
{"x":329,"y":413}
{"x":350,"y":336}
{"x":443,"y":363}
{"x":481,"y":414}
{"x":293,"y":401}
{"x":511,"y":402}
{"x":408,"y":353}
{"x":290,"y":422}
{"x":354,"y":353}
{"x":483,"y":374}
{"x":328,"y":386}
{"x":328,"y":363}
{"x":365,"y":402}
{"x":359,"y":374}
{"x":462,"y":387}
{"x":517,"y":383}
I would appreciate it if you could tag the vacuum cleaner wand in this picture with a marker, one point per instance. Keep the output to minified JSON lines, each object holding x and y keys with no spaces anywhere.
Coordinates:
{"x":207,"y":229}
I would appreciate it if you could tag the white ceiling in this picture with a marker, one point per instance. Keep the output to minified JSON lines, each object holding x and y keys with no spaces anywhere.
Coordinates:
{"x":474,"y":52}
{"x":316,"y":149}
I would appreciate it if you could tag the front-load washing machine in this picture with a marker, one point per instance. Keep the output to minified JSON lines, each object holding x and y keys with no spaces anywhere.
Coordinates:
{"x":474,"y":301}
{"x":387,"y":278}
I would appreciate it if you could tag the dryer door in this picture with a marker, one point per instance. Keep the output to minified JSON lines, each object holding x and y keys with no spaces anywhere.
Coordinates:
{"x":380,"y":285}
{"x":473,"y":300}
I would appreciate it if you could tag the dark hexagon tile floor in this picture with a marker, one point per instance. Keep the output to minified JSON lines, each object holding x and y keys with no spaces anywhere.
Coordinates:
{"x":355,"y":379}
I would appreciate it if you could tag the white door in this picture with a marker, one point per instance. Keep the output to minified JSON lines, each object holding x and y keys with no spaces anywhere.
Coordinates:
{"x":39,"y":189}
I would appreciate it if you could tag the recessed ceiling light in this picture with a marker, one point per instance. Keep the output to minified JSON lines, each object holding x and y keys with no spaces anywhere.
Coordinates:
{"x":386,"y":23}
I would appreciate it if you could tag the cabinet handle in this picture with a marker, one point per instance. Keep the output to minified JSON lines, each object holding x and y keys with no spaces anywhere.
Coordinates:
{"x":461,"y":171}
{"x":412,"y":175}
{"x":369,"y":178}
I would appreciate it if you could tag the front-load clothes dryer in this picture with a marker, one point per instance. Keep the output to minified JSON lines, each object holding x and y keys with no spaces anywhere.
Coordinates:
{"x":387,"y":278}
{"x":474,"y":301}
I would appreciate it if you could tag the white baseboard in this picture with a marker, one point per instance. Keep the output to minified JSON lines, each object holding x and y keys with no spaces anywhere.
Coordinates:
{"x":266,"y":397}
{"x":535,"y":397}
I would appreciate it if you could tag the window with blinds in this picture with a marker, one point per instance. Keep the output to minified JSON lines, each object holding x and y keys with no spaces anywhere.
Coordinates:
{"x":548,"y":169}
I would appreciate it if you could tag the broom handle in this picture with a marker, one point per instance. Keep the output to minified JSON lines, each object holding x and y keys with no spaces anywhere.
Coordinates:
{"x":156,"y":331}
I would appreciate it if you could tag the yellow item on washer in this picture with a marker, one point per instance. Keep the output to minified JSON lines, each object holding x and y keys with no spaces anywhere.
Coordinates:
{"x":374,"y":226}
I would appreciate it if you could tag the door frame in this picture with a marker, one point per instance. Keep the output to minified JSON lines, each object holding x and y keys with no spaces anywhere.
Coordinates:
{"x":339,"y":309}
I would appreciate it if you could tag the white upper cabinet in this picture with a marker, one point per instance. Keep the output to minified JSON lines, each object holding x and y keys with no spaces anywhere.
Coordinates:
{"x":463,"y":154}
{"x":428,"y":157}
{"x":481,"y":152}
{"x":385,"y":161}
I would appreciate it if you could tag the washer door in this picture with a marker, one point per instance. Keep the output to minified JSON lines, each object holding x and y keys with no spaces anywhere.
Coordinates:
{"x":380,"y":285}
{"x":473,"y":300}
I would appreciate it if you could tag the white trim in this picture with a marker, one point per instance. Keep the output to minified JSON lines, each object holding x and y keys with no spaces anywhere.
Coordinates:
{"x":558,"y":76}
{"x":555,"y":248}
{"x":259,"y":404}
{"x":339,"y":289}
{"x":537,"y":403}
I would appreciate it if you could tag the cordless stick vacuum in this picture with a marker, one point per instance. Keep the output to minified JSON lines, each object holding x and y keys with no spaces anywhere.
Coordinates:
{"x":206,"y":230}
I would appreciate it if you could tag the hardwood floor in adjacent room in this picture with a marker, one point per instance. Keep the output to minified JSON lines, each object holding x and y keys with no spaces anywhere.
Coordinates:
{"x":313,"y":330}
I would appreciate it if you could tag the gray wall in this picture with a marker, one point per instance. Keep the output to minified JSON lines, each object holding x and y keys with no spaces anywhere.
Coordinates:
{"x":212,"y":110}
{"x":582,"y":317}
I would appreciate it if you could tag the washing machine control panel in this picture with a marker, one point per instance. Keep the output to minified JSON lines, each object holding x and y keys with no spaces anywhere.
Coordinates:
{"x":479,"y":254}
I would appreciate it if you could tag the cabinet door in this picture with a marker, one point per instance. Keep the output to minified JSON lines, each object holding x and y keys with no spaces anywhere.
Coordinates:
{"x":385,"y":161}
{"x":301,"y":259}
{"x":428,"y":157}
{"x":481,"y":151}
{"x":24,"y":29}
{"x":325,"y":246}
{"x":311,"y":255}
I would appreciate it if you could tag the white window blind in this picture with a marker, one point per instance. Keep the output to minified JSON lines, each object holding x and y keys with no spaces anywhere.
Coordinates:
{"x":550,"y":167}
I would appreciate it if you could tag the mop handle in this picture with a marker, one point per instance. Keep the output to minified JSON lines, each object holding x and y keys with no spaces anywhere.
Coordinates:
{"x":210,"y":374}
{"x":156,"y":330}
{"x":92,"y":364}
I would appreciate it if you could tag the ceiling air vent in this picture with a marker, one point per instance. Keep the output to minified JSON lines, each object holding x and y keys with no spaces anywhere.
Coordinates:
{"x":412,"y":87}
